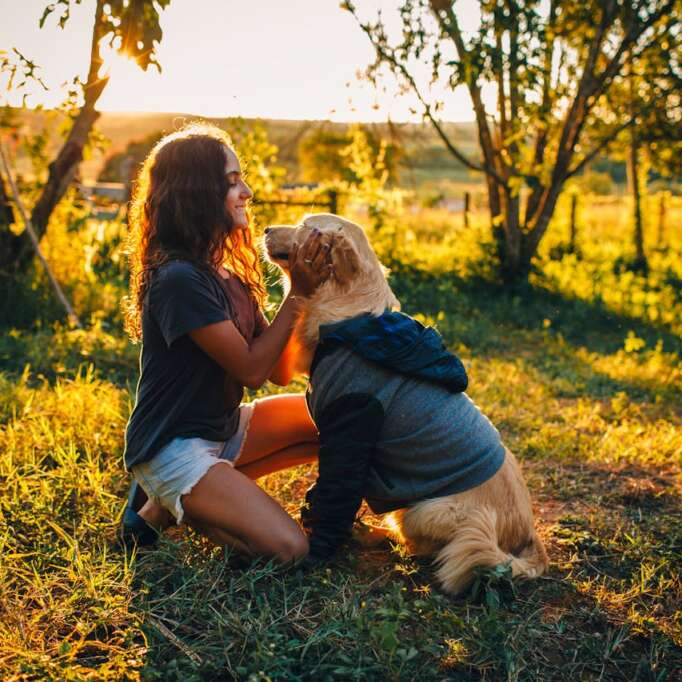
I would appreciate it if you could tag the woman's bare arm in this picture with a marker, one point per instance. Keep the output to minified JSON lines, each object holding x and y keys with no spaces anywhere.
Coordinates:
{"x":285,"y":367}
{"x":252,"y":364}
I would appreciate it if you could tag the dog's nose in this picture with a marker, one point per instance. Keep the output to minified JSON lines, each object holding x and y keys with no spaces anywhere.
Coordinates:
{"x":267,"y":229}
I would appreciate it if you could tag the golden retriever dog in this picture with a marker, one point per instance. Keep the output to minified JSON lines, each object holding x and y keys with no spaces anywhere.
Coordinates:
{"x":486,"y":525}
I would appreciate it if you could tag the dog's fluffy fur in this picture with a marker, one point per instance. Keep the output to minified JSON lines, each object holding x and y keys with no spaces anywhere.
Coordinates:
{"x":488,"y":525}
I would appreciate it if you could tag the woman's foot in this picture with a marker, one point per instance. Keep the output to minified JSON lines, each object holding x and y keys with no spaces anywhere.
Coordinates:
{"x":138,"y":530}
{"x":156,"y":516}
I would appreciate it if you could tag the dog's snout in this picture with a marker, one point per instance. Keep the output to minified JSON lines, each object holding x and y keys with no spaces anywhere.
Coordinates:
{"x":267,"y":229}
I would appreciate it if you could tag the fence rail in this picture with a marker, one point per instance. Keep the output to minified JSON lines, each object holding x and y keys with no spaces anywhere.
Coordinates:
{"x":331,"y":201}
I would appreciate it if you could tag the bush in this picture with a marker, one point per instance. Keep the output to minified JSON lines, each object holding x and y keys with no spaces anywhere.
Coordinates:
{"x":594,"y":182}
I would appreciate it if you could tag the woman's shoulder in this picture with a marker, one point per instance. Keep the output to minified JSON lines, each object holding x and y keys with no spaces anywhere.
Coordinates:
{"x":178,"y":267}
{"x":179,"y":274}
{"x":181,"y":270}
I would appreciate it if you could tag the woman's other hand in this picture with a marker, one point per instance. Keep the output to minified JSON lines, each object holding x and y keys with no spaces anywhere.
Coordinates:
{"x":309,"y":265}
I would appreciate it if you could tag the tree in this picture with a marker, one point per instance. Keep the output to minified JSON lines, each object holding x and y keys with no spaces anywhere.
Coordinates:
{"x":132,"y":28}
{"x":657,"y":132}
{"x":551,"y":65}
{"x":323,"y":154}
{"x":648,"y":93}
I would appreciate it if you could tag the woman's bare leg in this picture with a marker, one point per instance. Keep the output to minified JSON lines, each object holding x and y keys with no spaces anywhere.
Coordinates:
{"x":281,"y":434}
{"x":226,"y":500}
{"x":160,"y":518}
{"x":278,"y":422}
{"x":303,"y":453}
{"x":220,"y":537}
{"x":155,"y":515}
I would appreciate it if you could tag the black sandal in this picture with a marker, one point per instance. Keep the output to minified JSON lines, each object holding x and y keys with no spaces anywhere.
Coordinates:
{"x":135,"y":531}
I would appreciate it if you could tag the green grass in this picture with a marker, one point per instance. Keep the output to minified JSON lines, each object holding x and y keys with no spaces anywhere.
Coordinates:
{"x":585,"y":386}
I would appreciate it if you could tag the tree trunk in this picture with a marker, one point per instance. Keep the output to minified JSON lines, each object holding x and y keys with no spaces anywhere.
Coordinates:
{"x":513,"y":267}
{"x":496,"y":218}
{"x":640,"y":262}
{"x":63,"y":169}
{"x":11,"y":244}
{"x":533,"y":237}
{"x":573,"y":227}
{"x":660,"y":241}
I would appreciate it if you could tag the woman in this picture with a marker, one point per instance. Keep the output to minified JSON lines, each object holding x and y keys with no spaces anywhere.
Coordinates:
{"x":195,"y":303}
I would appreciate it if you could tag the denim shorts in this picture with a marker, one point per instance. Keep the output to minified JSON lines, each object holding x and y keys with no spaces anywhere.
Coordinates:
{"x":182,"y":463}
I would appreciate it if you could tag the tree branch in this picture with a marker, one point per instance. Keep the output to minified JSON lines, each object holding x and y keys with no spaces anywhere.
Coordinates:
{"x":513,"y":63}
{"x":94,"y":86}
{"x":494,"y":164}
{"x":633,"y":34}
{"x":577,"y":110}
{"x":4,"y":161}
{"x":603,"y":144}
{"x":572,"y":125}
{"x":589,"y":89}
{"x":399,"y":66}
{"x":545,"y":109}
{"x":499,"y":68}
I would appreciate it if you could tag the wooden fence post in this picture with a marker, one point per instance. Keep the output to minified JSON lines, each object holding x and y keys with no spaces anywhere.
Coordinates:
{"x":467,"y":208}
{"x":573,"y":226}
{"x":662,"y":209}
{"x":333,"y":201}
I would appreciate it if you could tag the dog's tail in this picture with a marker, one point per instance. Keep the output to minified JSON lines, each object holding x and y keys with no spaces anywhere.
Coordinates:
{"x":475,"y":543}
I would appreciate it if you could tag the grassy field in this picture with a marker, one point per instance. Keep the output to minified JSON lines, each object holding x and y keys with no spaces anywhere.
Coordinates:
{"x":581,"y":373}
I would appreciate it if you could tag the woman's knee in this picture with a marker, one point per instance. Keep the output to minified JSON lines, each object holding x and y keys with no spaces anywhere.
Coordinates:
{"x":285,"y":549}
{"x":290,"y":548}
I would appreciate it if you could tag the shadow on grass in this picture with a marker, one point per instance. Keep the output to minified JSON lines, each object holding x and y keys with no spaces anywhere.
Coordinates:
{"x":546,"y":329}
{"x":527,"y":307}
{"x":567,"y":375}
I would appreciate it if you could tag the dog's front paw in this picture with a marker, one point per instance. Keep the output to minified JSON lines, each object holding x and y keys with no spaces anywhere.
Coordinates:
{"x":370,"y":536}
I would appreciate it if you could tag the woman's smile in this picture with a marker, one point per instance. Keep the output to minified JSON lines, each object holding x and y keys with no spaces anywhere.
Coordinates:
{"x":238,"y":192}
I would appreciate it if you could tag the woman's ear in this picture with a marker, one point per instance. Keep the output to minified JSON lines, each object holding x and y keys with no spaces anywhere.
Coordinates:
{"x":345,"y":259}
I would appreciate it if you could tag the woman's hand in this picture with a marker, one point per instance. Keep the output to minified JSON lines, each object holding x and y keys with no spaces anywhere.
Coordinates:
{"x":309,"y":265}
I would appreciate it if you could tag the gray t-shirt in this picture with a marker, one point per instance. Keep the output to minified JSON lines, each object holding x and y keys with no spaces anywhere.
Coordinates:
{"x":182,"y":392}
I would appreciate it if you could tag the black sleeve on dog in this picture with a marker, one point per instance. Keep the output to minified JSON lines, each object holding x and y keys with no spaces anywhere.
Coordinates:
{"x":349,"y":429}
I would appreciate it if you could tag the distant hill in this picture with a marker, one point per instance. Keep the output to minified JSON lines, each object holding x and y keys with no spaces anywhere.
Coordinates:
{"x":426,"y":156}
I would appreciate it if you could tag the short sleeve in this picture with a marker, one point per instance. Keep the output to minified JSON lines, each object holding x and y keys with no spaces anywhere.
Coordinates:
{"x":183,"y":298}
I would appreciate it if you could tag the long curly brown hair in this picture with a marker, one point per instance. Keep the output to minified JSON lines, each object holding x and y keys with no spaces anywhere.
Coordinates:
{"x":178,"y":211}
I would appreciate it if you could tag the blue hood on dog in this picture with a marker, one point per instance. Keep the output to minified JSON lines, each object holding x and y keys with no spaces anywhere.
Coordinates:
{"x":398,"y":342}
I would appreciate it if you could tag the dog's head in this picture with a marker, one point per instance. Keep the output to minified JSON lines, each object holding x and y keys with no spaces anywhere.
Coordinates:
{"x":358,"y":281}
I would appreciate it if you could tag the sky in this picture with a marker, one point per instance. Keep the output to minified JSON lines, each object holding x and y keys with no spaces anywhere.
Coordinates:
{"x":291,"y":59}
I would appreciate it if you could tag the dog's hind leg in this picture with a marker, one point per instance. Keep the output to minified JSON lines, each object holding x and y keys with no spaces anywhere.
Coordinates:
{"x":475,"y":543}
{"x":428,"y":525}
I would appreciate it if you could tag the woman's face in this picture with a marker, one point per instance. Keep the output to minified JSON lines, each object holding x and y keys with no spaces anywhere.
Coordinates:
{"x":238,"y":193}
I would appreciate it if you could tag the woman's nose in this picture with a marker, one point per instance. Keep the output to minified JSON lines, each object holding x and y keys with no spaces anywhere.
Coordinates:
{"x":246,"y":192}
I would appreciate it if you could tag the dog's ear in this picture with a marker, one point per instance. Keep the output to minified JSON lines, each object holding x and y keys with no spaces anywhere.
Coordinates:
{"x":345,"y":259}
